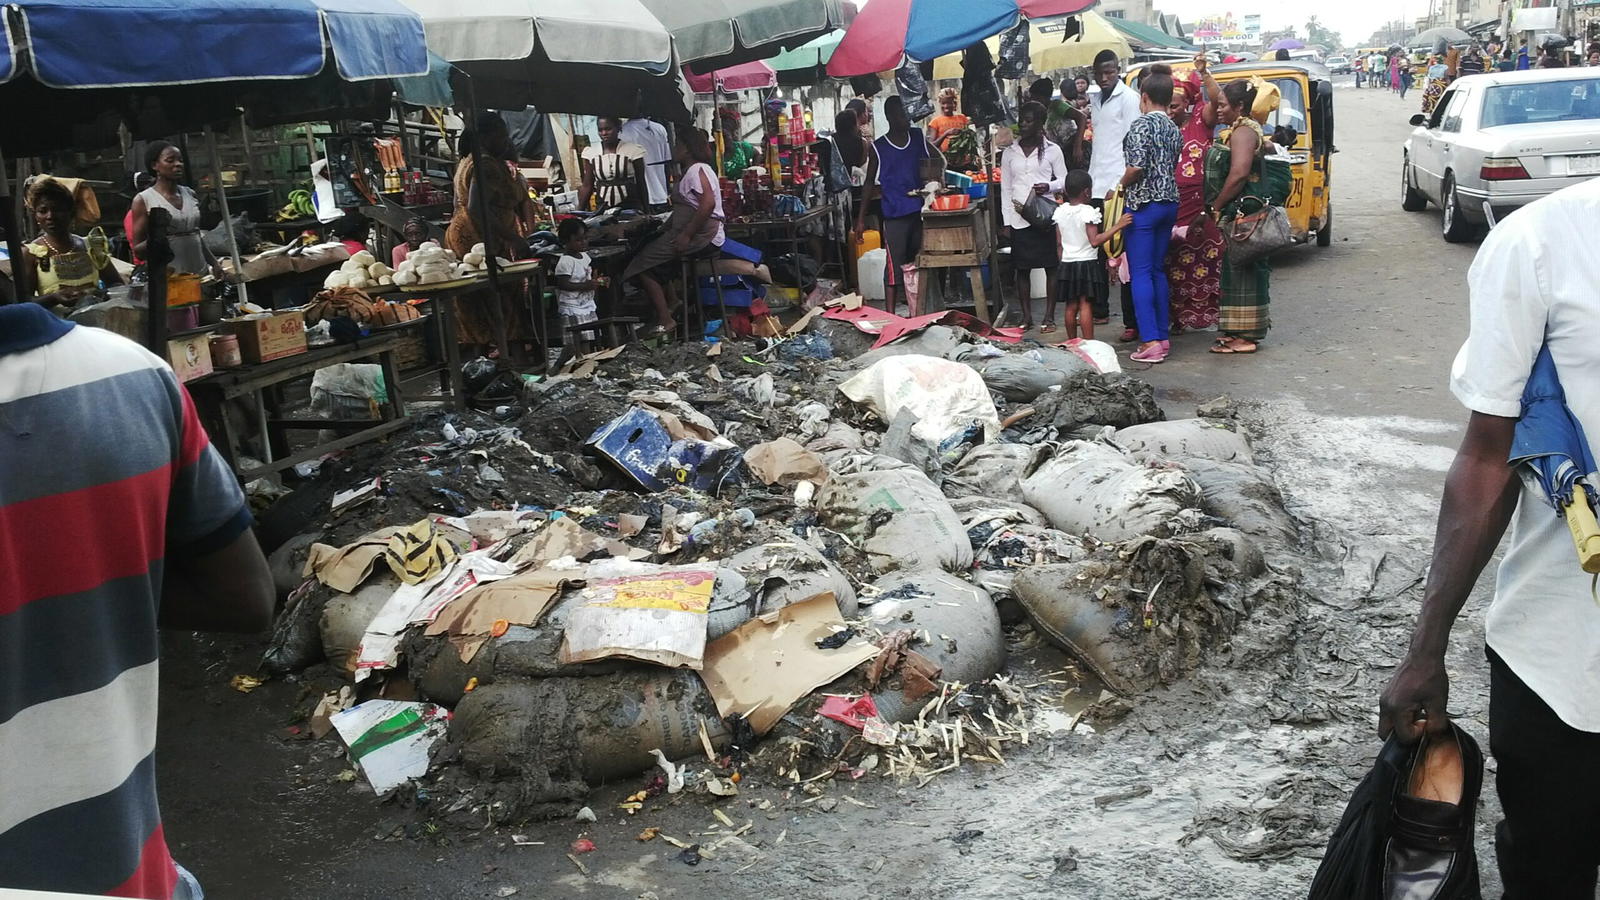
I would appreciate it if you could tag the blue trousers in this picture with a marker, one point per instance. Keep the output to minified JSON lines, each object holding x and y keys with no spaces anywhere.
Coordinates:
{"x":1146,"y":242}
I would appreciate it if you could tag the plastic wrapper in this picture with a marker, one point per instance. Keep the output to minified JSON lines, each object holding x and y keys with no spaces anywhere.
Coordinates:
{"x":913,"y":90}
{"x":1014,"y":59}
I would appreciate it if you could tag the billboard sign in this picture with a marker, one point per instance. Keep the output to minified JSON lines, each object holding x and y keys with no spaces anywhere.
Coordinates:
{"x":1226,"y":29}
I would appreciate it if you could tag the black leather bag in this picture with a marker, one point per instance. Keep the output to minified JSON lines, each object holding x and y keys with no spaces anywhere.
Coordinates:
{"x":1391,"y":845}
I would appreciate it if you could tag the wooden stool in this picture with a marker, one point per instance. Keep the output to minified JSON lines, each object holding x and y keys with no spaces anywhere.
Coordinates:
{"x":613,"y":331}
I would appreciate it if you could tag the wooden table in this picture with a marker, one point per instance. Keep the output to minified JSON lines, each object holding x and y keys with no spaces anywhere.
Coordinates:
{"x":960,"y":239}
{"x":212,"y":393}
{"x":789,"y":234}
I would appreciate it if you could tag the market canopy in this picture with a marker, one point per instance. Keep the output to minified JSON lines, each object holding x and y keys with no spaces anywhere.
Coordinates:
{"x":1047,"y":51}
{"x":1148,"y":36}
{"x":743,"y":77}
{"x":147,"y":43}
{"x":714,"y":34}
{"x":889,"y":31}
{"x":593,"y":57}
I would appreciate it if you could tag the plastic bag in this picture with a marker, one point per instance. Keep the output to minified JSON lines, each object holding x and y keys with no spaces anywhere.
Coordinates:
{"x":348,"y":390}
{"x":981,"y":99}
{"x":1014,"y":59}
{"x":1092,"y":489}
{"x":913,"y":90}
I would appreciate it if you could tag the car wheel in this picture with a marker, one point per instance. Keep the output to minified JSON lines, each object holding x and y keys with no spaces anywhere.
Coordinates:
{"x":1325,"y":233}
{"x":1411,"y":199}
{"x":1454,"y":225}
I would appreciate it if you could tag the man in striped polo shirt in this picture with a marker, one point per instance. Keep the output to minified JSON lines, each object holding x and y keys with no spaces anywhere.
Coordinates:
{"x":116,"y":515}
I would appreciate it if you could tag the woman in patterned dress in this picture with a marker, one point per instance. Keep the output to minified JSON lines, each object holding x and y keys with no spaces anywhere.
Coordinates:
{"x":1194,"y":262}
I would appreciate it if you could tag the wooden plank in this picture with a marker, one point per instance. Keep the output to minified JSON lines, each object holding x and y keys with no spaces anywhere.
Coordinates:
{"x":931,"y":260}
{"x":237,"y":382}
{"x":319,"y":450}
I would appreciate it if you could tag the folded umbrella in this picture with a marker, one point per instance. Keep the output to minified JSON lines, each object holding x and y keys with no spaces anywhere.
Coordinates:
{"x":1549,"y":448}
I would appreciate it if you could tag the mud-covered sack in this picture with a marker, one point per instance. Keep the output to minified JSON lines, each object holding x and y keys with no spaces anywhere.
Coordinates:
{"x":1244,"y":496}
{"x":995,"y":511}
{"x":946,"y":396}
{"x":1142,"y":614}
{"x":967,"y":642}
{"x":1017,"y":378}
{"x":897,"y":516}
{"x":544,"y":738}
{"x":1183,"y":439}
{"x":783,"y":573}
{"x":1093,"y":489}
{"x":992,"y":470}
{"x":1010,"y":548}
{"x":345,"y":618}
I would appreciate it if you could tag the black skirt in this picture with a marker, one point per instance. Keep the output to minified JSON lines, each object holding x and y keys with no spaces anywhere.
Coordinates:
{"x":1033,"y":247}
{"x":1081,"y":279}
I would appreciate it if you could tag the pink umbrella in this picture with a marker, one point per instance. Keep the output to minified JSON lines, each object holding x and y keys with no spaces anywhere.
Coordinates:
{"x":888,"y":30}
{"x":743,"y":77}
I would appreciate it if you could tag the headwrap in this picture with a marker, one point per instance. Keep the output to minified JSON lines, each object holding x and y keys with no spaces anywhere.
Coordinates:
{"x":1191,"y":87}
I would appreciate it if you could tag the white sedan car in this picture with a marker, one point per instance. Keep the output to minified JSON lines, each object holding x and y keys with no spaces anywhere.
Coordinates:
{"x":1500,"y":141}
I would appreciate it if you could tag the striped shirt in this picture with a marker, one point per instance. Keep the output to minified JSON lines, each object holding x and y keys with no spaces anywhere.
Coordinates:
{"x":104,"y":470}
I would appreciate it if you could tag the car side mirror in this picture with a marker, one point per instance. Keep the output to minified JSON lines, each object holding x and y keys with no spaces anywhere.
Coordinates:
{"x":1418,"y":119}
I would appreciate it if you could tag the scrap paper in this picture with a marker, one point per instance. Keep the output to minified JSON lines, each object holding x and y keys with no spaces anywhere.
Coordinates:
{"x":785,"y":462}
{"x":766,"y":665}
{"x":645,"y":612}
{"x":389,"y":740}
{"x":522,"y":599}
{"x":345,"y":568}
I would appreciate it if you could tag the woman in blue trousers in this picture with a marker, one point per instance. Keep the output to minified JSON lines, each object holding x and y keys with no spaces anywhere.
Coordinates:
{"x":1150,"y":191}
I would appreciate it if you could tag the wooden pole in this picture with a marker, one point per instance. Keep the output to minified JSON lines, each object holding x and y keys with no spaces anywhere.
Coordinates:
{"x":227,"y":220}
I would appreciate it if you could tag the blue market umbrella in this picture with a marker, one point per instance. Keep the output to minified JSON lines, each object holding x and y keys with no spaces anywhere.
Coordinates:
{"x":1550,"y":447}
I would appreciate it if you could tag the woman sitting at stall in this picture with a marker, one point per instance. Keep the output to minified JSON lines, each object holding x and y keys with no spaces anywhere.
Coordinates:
{"x":695,"y":224}
{"x":1194,"y":264}
{"x":59,"y":265}
{"x":189,"y":252}
{"x":412,"y":235}
{"x":505,"y":198}
{"x":613,"y":170}
{"x":1244,"y":317}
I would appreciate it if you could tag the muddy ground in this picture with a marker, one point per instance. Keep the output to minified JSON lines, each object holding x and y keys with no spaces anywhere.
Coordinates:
{"x":1223,"y":786}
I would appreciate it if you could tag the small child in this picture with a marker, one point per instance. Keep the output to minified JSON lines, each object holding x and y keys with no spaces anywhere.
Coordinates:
{"x":1081,"y":276}
{"x":415,"y":232}
{"x":575,"y":280}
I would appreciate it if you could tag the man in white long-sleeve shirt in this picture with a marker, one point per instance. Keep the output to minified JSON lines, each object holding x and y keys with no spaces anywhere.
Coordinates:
{"x":1113,"y":107}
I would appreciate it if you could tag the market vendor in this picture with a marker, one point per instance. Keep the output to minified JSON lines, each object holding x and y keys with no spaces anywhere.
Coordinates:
{"x":904,"y":158}
{"x":189,"y":252}
{"x":506,"y":197}
{"x":613,"y":170}
{"x":59,"y":265}
{"x":414,"y":233}
{"x":695,"y":225}
{"x":943,"y":127}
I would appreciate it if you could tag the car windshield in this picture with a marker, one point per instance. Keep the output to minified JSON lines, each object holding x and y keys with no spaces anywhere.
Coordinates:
{"x":1567,"y":100}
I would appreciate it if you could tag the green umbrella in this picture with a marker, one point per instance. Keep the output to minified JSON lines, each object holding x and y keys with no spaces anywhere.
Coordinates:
{"x":809,"y":55}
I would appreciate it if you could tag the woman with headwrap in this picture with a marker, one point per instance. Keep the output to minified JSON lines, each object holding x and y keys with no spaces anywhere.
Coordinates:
{"x":949,"y":121}
{"x":1194,"y":263}
{"x":1439,"y":78}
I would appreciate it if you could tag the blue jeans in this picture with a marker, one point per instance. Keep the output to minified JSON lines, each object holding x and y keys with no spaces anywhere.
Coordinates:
{"x":1146,"y":243}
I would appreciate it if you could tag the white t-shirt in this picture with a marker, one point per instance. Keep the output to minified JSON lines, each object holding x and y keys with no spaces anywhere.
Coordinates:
{"x":1533,"y":283}
{"x":1111,"y":121}
{"x":689,"y":188}
{"x":575,"y":303}
{"x":1072,"y":230}
{"x":657,"y":153}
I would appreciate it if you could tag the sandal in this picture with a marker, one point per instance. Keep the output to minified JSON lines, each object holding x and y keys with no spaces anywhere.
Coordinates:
{"x":1047,"y":327}
{"x":1232,"y":346}
{"x":1128,"y":336}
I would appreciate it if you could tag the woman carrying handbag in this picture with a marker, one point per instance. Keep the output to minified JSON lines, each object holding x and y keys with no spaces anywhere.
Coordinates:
{"x":1240,"y":190}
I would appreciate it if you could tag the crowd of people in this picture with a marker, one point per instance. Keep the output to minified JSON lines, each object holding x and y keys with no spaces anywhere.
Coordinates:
{"x":1398,"y":71}
{"x":1126,"y":171}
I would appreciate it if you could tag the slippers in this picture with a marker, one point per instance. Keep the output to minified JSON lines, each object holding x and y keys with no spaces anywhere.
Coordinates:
{"x":1223,"y":346}
{"x":1047,"y":327}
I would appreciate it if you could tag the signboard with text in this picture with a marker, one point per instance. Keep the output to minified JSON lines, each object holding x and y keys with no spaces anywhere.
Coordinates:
{"x":1226,"y":29}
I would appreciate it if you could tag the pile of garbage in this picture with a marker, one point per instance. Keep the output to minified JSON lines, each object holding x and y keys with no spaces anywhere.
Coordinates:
{"x":798,"y":547}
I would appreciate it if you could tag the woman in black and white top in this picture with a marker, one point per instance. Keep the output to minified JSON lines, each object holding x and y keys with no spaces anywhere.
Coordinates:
{"x":1031,"y":166}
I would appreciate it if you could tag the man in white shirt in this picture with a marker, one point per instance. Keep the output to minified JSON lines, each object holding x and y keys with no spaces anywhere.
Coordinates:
{"x":1113,"y":107}
{"x":1531,"y":285}
{"x":652,"y":136}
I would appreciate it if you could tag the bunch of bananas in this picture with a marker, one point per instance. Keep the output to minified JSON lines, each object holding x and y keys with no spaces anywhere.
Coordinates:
{"x":298,"y":207}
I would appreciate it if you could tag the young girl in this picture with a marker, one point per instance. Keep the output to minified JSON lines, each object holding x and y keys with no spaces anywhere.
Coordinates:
{"x":1082,"y":276}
